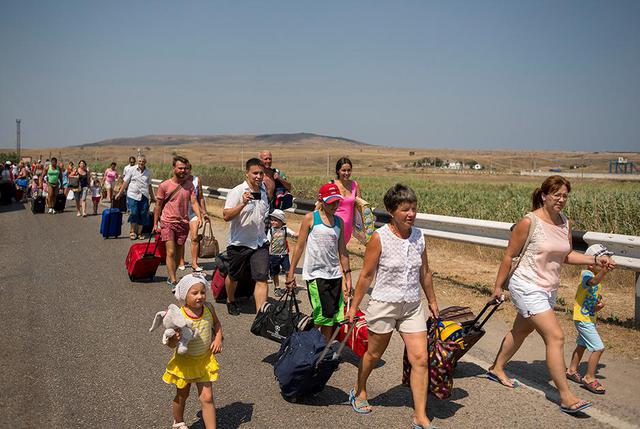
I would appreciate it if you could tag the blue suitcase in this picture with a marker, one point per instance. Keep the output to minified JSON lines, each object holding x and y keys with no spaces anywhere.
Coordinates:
{"x":111,"y":225}
{"x":306,"y":363}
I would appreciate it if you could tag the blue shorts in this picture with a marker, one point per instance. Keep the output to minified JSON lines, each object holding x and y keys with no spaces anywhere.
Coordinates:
{"x":138,"y":210}
{"x":588,"y":336}
{"x":278,"y":261}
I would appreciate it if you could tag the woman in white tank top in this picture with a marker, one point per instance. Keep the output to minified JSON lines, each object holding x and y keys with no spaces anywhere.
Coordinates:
{"x":193,"y":225}
{"x":397,"y":256}
{"x":534,"y":284}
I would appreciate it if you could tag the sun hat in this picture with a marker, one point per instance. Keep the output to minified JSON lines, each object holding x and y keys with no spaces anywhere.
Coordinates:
{"x":598,"y":250}
{"x":278,"y":214}
{"x":329,"y":192}
{"x":185,"y":283}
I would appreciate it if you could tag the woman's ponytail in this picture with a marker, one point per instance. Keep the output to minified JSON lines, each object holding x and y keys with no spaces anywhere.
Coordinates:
{"x":536,"y":199}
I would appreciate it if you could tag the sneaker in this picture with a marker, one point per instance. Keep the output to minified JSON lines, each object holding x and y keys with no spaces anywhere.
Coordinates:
{"x":198,"y":269}
{"x":54,"y":212}
{"x":279,"y":292}
{"x":233,"y":309}
{"x":172,"y":285}
{"x":49,"y":211}
{"x":182,"y":267}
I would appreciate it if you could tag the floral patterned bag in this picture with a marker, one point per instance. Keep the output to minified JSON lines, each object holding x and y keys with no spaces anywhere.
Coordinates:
{"x":441,"y":361}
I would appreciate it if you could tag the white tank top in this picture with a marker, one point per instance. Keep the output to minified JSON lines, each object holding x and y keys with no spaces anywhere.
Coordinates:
{"x":321,"y":260}
{"x":398,"y":275}
{"x":192,"y":214}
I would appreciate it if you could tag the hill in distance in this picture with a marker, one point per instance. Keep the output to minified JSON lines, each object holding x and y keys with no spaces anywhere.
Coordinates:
{"x":268,"y":139}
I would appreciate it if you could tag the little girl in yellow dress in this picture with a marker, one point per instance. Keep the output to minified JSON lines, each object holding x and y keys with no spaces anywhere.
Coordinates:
{"x":198,"y":365}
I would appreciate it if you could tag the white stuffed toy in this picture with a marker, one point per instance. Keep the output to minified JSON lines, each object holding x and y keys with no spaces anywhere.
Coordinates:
{"x":171,"y":319}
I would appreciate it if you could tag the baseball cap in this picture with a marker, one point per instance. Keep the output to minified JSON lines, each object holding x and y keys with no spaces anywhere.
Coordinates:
{"x":278,"y":214}
{"x":598,"y":250}
{"x":329,"y":192}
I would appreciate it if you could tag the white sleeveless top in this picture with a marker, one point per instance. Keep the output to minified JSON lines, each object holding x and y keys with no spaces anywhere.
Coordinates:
{"x":398,"y":276}
{"x":192,"y":214}
{"x":321,"y":260}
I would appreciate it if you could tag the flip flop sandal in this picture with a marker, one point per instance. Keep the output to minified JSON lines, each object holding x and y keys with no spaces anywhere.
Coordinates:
{"x":132,"y":236}
{"x":593,"y":387}
{"x":575,"y":377}
{"x":493,"y":377}
{"x":417,"y":426}
{"x":358,"y":404}
{"x":181,"y":425}
{"x":576,"y":408}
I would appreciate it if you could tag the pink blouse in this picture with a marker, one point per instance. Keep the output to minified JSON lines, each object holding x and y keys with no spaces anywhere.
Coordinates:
{"x":345,"y":211}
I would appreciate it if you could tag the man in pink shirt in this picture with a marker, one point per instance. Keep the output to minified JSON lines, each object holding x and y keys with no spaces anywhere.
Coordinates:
{"x":172,"y":210}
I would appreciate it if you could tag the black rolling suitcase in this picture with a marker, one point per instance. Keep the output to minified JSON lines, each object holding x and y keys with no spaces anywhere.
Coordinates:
{"x":473,"y":329}
{"x":60,"y":203}
{"x":37,"y":204}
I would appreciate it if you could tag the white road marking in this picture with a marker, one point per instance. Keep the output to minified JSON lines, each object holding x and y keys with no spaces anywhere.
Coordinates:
{"x":548,"y":391}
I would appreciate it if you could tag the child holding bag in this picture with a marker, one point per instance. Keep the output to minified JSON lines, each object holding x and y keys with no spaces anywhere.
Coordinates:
{"x":198,"y":365}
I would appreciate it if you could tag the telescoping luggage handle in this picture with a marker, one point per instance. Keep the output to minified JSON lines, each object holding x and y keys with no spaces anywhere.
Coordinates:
{"x":333,"y":338}
{"x":495,"y":303}
{"x":146,"y":249}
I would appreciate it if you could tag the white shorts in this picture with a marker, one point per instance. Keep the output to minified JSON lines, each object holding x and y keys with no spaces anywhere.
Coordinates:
{"x":383,"y":317}
{"x":531,"y":299}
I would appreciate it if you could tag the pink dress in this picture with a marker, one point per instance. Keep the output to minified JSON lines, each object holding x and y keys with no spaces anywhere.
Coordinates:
{"x":345,"y":211}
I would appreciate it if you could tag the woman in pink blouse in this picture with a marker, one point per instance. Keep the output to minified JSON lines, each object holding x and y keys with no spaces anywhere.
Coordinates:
{"x":534,"y":285}
{"x":110,"y":177}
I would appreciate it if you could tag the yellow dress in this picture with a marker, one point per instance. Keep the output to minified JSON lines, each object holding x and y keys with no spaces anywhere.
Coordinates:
{"x":198,"y":364}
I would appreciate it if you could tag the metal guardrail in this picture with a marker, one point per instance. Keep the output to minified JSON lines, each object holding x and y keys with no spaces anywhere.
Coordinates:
{"x":626,"y":248}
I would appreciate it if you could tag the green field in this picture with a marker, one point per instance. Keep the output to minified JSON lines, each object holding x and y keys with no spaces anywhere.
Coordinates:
{"x":593,"y":206}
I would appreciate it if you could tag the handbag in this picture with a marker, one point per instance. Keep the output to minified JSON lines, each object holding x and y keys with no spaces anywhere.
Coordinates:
{"x":515,"y":261}
{"x":364,"y":221}
{"x":283,"y":199}
{"x":208,"y":246}
{"x":73,"y":182}
{"x":278,"y":321}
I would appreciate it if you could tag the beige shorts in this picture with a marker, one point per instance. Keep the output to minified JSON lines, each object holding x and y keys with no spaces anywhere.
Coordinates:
{"x":383,"y":317}
{"x":108,"y":185}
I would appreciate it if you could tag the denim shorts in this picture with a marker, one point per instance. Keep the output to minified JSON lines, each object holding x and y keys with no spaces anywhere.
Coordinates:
{"x":138,"y":210}
{"x":588,"y":336}
{"x":276,"y":262}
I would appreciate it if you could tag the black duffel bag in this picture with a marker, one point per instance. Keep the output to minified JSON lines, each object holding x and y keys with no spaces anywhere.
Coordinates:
{"x":278,"y":321}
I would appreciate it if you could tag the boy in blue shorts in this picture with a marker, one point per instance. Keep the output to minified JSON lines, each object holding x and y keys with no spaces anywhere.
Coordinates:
{"x":589,"y":301}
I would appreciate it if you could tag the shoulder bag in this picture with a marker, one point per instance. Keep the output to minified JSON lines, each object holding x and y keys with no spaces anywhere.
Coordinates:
{"x":515,"y":261}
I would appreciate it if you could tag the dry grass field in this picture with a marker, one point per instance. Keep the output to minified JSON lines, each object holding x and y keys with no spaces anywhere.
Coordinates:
{"x":465,"y":273}
{"x":310,"y":155}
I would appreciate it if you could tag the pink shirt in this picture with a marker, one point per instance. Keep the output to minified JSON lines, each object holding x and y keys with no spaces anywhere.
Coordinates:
{"x":547,"y":250}
{"x":110,"y":175}
{"x":176,"y":210}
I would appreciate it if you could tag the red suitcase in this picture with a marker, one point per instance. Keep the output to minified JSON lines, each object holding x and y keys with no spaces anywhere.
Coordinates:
{"x":141,"y":262}
{"x":358,"y":340}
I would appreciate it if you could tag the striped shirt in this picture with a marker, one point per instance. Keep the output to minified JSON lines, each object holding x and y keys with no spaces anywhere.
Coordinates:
{"x":201,"y":343}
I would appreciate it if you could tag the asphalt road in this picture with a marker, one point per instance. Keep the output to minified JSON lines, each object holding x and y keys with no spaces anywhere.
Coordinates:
{"x":76,"y":353}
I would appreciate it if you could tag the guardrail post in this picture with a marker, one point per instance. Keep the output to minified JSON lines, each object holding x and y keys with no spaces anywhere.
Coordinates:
{"x":636,"y":320}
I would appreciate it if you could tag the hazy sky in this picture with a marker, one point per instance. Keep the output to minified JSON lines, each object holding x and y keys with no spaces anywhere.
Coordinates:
{"x":458,"y":74}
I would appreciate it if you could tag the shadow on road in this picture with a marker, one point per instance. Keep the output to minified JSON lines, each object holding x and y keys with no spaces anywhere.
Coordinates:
{"x":228,"y":417}
{"x":5,"y":208}
{"x":468,"y":369}
{"x":400,"y":396}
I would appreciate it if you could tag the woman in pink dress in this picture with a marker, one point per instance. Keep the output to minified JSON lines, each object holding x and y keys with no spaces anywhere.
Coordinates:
{"x":349,"y":191}
{"x":110,"y":177}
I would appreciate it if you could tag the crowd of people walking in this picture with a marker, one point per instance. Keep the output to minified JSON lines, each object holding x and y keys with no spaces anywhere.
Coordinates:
{"x":395,"y":271}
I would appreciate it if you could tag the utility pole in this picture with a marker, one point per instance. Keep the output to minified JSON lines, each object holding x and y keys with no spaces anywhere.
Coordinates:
{"x":18,"y":137}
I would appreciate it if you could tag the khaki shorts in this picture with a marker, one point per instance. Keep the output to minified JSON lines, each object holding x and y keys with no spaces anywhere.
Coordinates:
{"x":383,"y":317}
